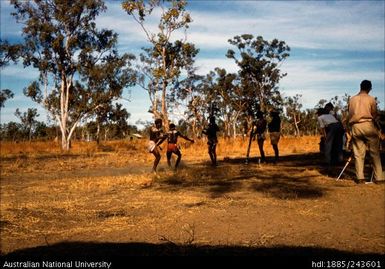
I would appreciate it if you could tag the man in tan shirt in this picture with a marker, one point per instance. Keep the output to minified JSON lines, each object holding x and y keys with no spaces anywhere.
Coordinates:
{"x":362,"y":114}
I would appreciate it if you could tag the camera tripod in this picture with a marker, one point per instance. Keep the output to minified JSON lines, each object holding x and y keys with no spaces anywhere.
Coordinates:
{"x":346,"y":165}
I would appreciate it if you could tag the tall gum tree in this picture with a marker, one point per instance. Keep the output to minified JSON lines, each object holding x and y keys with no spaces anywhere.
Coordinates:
{"x":80,"y":69}
{"x":293,"y":107}
{"x":259,"y":61}
{"x":165,"y":60}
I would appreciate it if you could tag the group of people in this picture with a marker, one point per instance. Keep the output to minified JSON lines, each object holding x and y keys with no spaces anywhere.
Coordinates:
{"x":258,"y":132}
{"x":157,"y":137}
{"x":274,"y":128}
{"x":361,"y":125}
{"x":362,"y":129}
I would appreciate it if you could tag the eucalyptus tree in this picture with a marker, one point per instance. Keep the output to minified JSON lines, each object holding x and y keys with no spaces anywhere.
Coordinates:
{"x":11,"y":131}
{"x":206,"y":96}
{"x":165,"y":60}
{"x":117,"y":117}
{"x":5,"y":94}
{"x":226,"y":90}
{"x":190,"y":97}
{"x":195,"y":114}
{"x":293,"y":107}
{"x":309,"y":124}
{"x":8,"y":53}
{"x":259,"y":61}
{"x":28,"y":120}
{"x":79,"y":66}
{"x":41,"y":130}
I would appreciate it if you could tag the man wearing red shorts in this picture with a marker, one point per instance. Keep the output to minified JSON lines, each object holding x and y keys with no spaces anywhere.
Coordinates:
{"x":172,"y":147}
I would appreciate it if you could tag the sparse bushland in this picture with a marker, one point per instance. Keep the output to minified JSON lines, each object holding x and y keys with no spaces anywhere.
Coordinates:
{"x":106,"y":194}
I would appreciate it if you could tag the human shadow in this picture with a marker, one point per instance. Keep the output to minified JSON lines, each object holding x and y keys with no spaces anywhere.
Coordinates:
{"x":291,"y":178}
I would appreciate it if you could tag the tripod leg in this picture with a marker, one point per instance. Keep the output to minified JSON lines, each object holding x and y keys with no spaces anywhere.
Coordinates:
{"x":371,"y":178}
{"x":346,"y":165}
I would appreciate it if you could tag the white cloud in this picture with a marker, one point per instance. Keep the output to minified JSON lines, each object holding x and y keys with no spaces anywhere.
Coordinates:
{"x":22,"y":103}
{"x":19,"y":72}
{"x":346,"y":25}
{"x":315,"y":82}
{"x":317,"y":72}
{"x":208,"y":64}
{"x":323,"y":25}
{"x":8,"y":25}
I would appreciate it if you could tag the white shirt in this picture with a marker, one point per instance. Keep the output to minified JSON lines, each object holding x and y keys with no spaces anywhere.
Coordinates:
{"x":326,"y":119}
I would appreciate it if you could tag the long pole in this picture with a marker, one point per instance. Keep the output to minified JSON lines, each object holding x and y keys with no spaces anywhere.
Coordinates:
{"x":249,"y":145}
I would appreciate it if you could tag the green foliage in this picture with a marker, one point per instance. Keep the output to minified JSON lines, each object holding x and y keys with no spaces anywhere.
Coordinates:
{"x":4,"y":96}
{"x":164,"y":61}
{"x":112,"y":122}
{"x":259,"y":61}
{"x":293,"y":107}
{"x":8,"y":52}
{"x":28,"y":120}
{"x":12,"y":131}
{"x":238,"y":96}
{"x":80,"y":69}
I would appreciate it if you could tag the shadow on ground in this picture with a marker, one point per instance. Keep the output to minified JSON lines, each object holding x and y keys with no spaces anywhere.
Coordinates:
{"x":291,"y":178}
{"x":304,"y":161}
{"x":315,"y":160}
{"x":125,"y":252}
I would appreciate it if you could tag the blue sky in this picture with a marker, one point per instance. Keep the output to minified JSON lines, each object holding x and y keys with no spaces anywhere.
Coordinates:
{"x":334,"y":46}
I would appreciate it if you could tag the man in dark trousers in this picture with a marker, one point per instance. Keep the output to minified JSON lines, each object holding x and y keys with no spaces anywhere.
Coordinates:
{"x":274,"y":128}
{"x":333,"y":131}
{"x":365,"y":135}
{"x":212,"y":140}
{"x":259,"y":131}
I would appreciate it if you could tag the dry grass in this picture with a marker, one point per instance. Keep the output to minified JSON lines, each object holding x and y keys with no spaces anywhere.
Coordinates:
{"x":47,"y":156}
{"x":37,"y":148}
{"x":64,"y":207}
{"x":105,"y":193}
{"x":225,"y":146}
